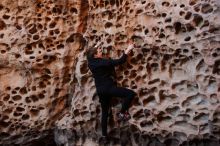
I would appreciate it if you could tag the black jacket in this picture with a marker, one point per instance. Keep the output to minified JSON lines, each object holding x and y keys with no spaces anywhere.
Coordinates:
{"x":103,"y":69}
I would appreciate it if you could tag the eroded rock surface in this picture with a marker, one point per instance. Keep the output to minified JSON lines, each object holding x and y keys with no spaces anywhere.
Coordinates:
{"x":38,"y":45}
{"x":175,"y":70}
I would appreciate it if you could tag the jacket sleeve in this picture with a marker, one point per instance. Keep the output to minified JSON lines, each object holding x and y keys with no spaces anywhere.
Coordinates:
{"x":113,"y":62}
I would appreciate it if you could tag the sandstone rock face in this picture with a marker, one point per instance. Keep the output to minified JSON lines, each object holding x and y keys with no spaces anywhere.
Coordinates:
{"x":38,"y":45}
{"x":175,"y":70}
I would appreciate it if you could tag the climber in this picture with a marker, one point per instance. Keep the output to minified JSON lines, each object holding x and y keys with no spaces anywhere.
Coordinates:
{"x":102,"y":69}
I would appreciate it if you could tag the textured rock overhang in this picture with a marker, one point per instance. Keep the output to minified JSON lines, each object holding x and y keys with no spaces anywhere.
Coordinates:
{"x":175,"y":68}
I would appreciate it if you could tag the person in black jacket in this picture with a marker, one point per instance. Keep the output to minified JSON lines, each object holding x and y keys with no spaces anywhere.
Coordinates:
{"x":101,"y":69}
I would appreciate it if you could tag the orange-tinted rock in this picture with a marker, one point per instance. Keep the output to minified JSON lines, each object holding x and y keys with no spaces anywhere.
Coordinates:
{"x":174,"y":69}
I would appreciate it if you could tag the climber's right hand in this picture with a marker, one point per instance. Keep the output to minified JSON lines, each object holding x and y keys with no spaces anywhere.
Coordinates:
{"x":129,"y":48}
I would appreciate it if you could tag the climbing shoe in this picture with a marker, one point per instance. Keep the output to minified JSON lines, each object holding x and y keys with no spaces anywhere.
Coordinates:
{"x":104,"y":140}
{"x":123,"y":116}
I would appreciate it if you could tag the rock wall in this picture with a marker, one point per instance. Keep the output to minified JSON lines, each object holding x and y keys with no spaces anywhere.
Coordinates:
{"x":38,"y":46}
{"x":174,"y":69}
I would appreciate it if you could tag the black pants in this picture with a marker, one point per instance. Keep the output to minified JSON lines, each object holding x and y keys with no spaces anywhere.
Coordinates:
{"x":105,"y":95}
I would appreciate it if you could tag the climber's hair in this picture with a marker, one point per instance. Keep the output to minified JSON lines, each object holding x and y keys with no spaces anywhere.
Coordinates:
{"x":91,"y":52}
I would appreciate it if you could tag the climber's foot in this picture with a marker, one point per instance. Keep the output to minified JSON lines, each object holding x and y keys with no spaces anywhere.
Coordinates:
{"x":123,"y":116}
{"x":104,"y":140}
